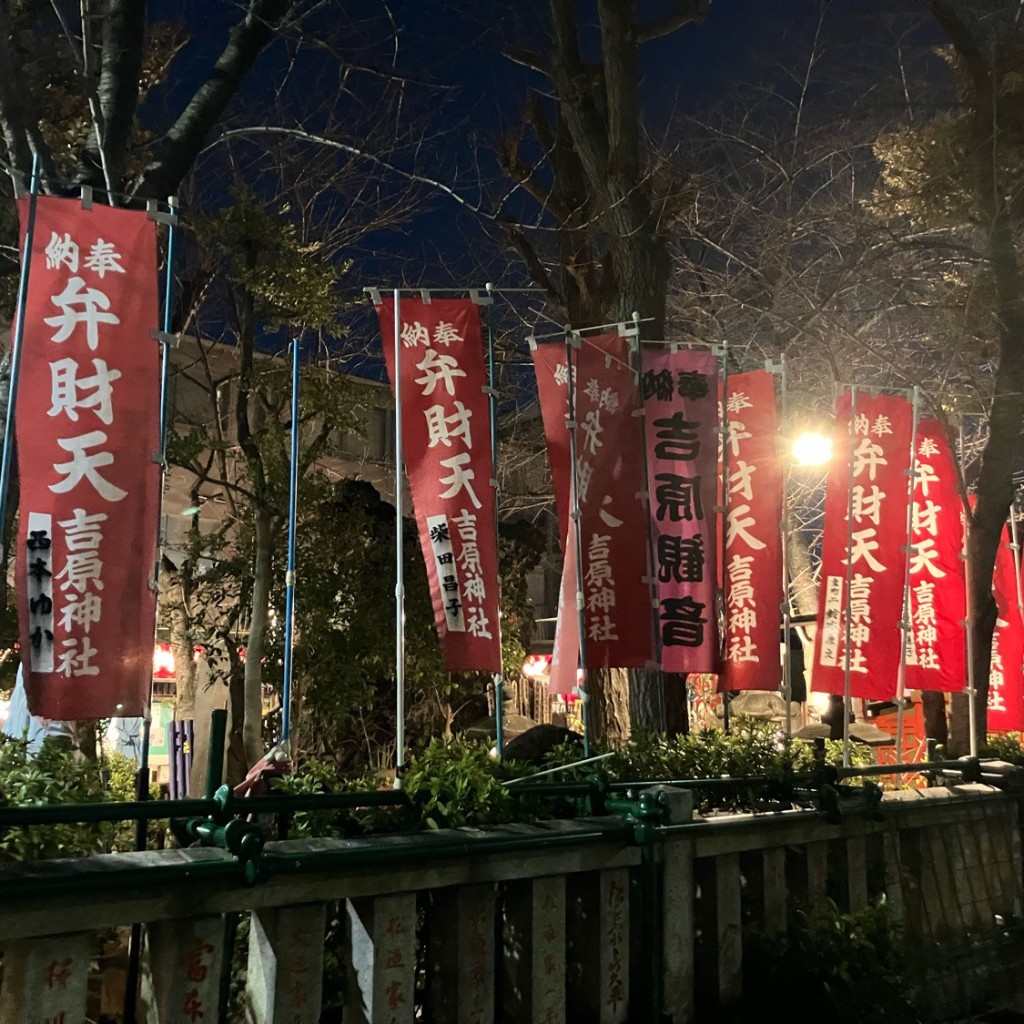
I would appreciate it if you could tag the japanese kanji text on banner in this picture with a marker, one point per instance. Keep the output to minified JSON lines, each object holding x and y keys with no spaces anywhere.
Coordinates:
{"x":936,"y":652}
{"x":866,"y":551}
{"x":1005,"y":678}
{"x":609,"y":478}
{"x":87,"y":426}
{"x":448,"y":460}
{"x":753,"y":547}
{"x":680,"y":391}
{"x":552,"y":370}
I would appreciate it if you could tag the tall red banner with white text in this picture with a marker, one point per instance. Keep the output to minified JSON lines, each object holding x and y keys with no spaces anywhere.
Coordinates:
{"x":863,"y":557}
{"x":753,"y":545}
{"x":1005,"y":680}
{"x":937,"y":648}
{"x":87,"y":428}
{"x":680,"y":392}
{"x":552,"y":370}
{"x":446,"y":435}
{"x":609,"y":474}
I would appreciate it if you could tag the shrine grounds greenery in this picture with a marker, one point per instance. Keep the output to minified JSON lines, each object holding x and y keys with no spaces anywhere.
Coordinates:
{"x":848,"y":966}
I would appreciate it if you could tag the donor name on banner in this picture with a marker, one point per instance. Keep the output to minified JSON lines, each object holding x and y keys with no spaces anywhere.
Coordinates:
{"x":87,"y":424}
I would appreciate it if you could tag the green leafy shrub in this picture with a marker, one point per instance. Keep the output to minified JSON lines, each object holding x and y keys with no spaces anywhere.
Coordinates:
{"x":754,"y":749}
{"x":55,"y":775}
{"x":1006,"y":746}
{"x":843,"y":968}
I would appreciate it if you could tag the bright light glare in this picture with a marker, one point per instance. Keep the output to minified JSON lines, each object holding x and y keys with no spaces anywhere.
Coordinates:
{"x":812,"y":450}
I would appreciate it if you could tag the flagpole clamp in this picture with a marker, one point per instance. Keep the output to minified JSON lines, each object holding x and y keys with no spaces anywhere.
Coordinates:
{"x":165,"y":338}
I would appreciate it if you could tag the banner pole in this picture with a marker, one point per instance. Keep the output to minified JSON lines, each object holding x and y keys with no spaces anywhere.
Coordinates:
{"x":142,"y":782}
{"x":847,"y":698}
{"x":905,"y":622}
{"x":289,"y":579}
{"x":492,"y":396}
{"x":17,"y":340}
{"x":787,"y":684}
{"x":142,"y":777}
{"x":574,"y":514}
{"x":972,"y":709}
{"x":399,"y":557}
{"x":662,"y":708}
{"x":1015,"y":547}
{"x":723,"y":510}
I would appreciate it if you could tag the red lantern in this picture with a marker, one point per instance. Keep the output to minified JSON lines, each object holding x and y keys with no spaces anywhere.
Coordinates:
{"x":163,"y":661}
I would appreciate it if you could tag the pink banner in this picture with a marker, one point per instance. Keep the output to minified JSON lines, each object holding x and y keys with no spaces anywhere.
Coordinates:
{"x":87,"y":424}
{"x":1005,"y":680}
{"x":936,"y":654}
{"x":565,"y":657}
{"x":753,"y":545}
{"x":863,"y":548}
{"x":680,"y":391}
{"x":446,"y":434}
{"x":609,"y":474}
{"x":549,"y":363}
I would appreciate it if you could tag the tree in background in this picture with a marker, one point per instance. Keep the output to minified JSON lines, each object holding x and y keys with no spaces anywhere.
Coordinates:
{"x":609,"y":201}
{"x":956,"y":177}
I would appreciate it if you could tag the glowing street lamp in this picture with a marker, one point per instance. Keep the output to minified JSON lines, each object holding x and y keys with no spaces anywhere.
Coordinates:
{"x":812,"y":449}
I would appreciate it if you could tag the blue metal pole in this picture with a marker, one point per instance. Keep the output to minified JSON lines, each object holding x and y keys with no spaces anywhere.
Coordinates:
{"x":492,"y":393}
{"x":293,"y":493}
{"x":142,"y":779}
{"x":16,"y":342}
{"x":142,"y":785}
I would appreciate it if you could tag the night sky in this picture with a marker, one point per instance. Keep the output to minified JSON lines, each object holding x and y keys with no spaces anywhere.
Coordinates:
{"x":465,"y":95}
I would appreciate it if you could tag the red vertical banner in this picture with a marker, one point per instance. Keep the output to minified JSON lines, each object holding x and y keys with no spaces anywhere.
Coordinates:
{"x":753,"y":539}
{"x":1005,"y":679}
{"x":552,"y":370}
{"x":680,"y":390}
{"x":87,"y":428}
{"x":609,"y":478}
{"x":446,"y":435}
{"x":936,"y":651}
{"x":865,"y":551}
{"x":565,"y":655}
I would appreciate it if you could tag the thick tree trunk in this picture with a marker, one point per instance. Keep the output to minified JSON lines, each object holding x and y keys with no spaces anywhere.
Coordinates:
{"x":995,"y":488}
{"x":608,"y":691}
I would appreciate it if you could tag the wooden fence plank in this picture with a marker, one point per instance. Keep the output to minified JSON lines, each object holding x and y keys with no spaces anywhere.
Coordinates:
{"x":382,"y":941}
{"x":534,"y":940}
{"x":678,"y":931}
{"x":284,"y":981}
{"x":463,"y":954}
{"x":181,"y":979}
{"x":817,"y":876}
{"x":892,"y":855}
{"x":857,"y":872}
{"x":729,"y":930}
{"x":775,"y":891}
{"x":45,"y":980}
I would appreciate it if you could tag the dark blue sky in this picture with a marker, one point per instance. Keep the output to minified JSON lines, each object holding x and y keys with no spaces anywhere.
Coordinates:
{"x":464,"y":95}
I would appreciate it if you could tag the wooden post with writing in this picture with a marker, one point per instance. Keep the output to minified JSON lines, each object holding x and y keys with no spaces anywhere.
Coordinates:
{"x":534,"y":956}
{"x":46,"y":979}
{"x":463,"y":955}
{"x":598,"y":982}
{"x":181,"y":978}
{"x":286,"y":964}
{"x":382,"y":941}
